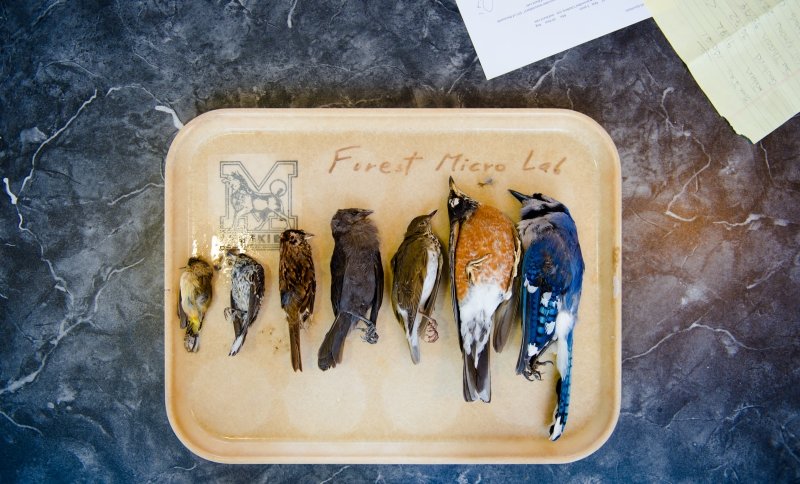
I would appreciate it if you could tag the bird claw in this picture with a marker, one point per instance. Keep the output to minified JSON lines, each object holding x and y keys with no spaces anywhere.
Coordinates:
{"x":532,"y":372}
{"x":370,"y":335}
{"x":431,"y":330}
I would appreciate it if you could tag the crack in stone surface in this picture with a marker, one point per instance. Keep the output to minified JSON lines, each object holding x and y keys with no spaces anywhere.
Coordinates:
{"x":19,"y":425}
{"x":695,"y":325}
{"x":135,"y":192}
{"x":669,"y":211}
{"x":64,"y":329}
{"x":753,"y":217}
{"x":291,"y":12}
{"x":335,"y":474}
{"x":51,"y":138}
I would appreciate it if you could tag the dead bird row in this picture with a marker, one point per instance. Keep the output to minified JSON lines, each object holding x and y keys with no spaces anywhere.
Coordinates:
{"x":496,"y":271}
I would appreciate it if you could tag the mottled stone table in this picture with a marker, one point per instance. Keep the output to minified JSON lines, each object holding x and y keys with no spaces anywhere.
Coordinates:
{"x":94,"y":92}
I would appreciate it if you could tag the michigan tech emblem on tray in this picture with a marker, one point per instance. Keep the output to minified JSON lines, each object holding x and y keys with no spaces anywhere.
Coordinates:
{"x":257,"y":211}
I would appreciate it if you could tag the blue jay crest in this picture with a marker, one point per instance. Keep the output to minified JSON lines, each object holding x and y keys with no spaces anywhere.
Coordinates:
{"x":258,"y":212}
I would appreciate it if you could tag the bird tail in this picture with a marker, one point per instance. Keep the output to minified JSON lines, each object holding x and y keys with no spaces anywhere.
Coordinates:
{"x":413,"y":339}
{"x":192,"y":338}
{"x":330,"y":352}
{"x":477,"y":379}
{"x":294,"y":345}
{"x":239,"y":328}
{"x":191,"y":342}
{"x":564,"y":363}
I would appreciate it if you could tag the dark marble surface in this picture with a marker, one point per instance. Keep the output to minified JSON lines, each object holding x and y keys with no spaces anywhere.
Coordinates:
{"x":92,"y":94}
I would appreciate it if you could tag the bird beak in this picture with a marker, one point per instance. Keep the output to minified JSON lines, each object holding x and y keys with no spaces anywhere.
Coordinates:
{"x":454,"y":188}
{"x":519,"y":196}
{"x":366,"y":212}
{"x":430,"y":215}
{"x":308,"y":236}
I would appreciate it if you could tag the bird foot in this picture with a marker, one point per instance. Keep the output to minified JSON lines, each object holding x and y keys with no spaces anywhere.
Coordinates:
{"x":532,"y":372}
{"x":232,"y":313}
{"x":431,"y":330}
{"x":370,"y":335}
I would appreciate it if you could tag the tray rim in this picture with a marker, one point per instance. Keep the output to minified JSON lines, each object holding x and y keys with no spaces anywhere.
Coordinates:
{"x":203,"y":121}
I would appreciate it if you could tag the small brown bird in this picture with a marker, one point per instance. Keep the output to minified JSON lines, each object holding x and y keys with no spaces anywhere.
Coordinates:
{"x":298,"y":286}
{"x":417,"y":271}
{"x":193,"y":300}
{"x":247,"y":291}
{"x":356,"y":282}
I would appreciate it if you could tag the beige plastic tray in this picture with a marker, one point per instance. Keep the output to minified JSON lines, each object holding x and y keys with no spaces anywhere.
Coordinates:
{"x":377,"y":406}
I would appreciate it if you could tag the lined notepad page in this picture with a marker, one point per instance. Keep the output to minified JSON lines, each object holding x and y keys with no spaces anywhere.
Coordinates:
{"x":745,"y":55}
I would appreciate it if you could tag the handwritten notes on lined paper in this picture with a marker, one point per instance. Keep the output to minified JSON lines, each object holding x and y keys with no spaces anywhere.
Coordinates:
{"x":509,"y":34}
{"x":745,"y":55}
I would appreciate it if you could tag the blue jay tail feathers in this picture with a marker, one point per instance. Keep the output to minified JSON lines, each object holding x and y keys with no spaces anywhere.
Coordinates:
{"x":477,"y":379}
{"x":563,"y":387}
{"x":330,"y":352}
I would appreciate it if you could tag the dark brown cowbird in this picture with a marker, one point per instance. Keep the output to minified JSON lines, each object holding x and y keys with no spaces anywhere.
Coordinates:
{"x":247,"y":291}
{"x":194,"y":299}
{"x":417,"y":271}
{"x":356,"y":282}
{"x":298,"y":286}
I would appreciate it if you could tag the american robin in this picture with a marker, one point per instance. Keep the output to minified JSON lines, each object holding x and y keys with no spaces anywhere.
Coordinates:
{"x":356,"y":282}
{"x":298,"y":286}
{"x":193,"y":300}
{"x":417,"y":271}
{"x":484,"y":253}
{"x":247,"y":291}
{"x":552,"y":275}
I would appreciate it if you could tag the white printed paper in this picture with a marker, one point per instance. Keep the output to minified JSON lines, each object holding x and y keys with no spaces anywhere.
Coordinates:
{"x":509,"y":34}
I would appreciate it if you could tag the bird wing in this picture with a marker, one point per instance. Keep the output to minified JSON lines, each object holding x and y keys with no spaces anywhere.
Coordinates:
{"x":285,"y":274}
{"x":545,"y":277}
{"x":506,"y":314}
{"x":455,"y":228}
{"x":377,"y":296}
{"x":338,"y":266}
{"x":206,"y":291}
{"x":297,"y":285}
{"x":307,"y":304}
{"x":394,"y":291}
{"x":410,"y":277}
{"x":429,"y":304}
{"x":181,"y":313}
{"x":256,"y":279}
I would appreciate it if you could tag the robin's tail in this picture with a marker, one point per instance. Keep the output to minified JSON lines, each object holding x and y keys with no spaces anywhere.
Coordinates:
{"x":477,"y":379}
{"x":294,"y":345}
{"x":330,"y":352}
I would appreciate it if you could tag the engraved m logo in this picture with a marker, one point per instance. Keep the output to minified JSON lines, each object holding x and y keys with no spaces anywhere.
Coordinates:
{"x":259,"y":210}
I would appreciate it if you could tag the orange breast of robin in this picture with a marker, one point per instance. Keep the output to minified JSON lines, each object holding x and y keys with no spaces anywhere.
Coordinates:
{"x":488,"y":235}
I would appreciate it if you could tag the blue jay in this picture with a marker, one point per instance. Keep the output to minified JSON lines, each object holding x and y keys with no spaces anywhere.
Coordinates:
{"x":552,"y":274}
